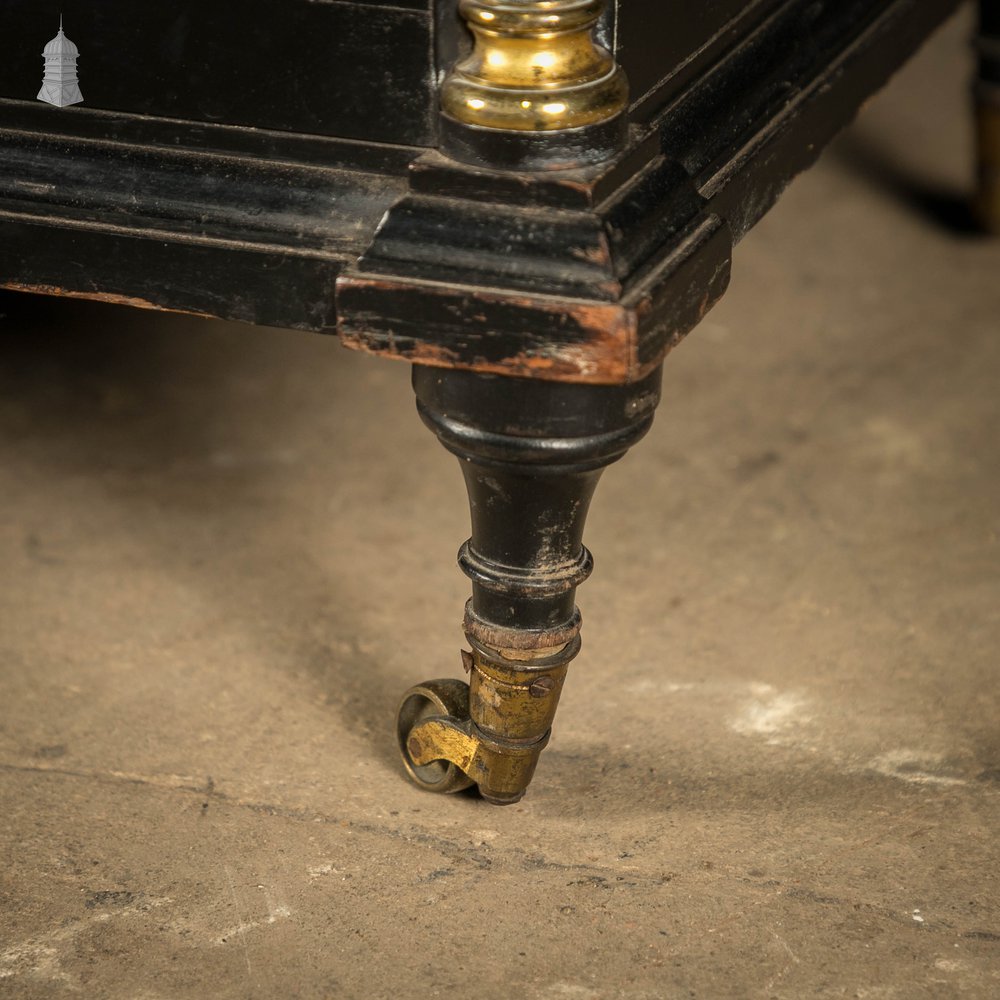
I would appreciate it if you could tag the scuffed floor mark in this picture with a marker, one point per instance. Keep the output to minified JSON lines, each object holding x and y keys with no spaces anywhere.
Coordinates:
{"x":318,"y":871}
{"x":239,"y":930}
{"x":275,"y":911}
{"x":947,"y":965}
{"x":178,"y":782}
{"x":648,"y":686}
{"x":202,"y":924}
{"x":770,"y":713}
{"x":793,"y":960}
{"x":40,"y":956}
{"x":896,"y":443}
{"x":567,"y":991}
{"x":914,"y":766}
{"x":483,"y":836}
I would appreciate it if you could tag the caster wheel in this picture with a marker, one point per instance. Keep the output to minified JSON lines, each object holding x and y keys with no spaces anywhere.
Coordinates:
{"x":433,"y":698}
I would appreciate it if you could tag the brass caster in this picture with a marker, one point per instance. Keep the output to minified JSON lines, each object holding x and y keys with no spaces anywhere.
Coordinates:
{"x":434,"y":699}
{"x":490,"y":733}
{"x":444,"y":751}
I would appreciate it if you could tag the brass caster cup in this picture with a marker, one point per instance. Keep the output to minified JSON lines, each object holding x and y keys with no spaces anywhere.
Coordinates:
{"x":444,"y":751}
{"x":490,"y":733}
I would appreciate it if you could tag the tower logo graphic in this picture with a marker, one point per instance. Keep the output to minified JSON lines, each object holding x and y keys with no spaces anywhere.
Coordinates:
{"x":59,"y":85}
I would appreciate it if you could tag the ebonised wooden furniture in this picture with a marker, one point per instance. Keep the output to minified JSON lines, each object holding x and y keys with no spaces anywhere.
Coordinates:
{"x":531,"y":200}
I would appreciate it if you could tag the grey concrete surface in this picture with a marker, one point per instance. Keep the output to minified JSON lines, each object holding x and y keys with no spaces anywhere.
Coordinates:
{"x":225,"y":552}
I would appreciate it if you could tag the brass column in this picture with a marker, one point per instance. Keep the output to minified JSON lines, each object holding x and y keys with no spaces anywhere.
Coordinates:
{"x":536,"y":75}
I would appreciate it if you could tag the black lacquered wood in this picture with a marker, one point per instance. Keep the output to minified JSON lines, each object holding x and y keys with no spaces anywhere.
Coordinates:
{"x":355,"y":70}
{"x":688,"y":36}
{"x":587,"y":276}
{"x":531,"y":454}
{"x":567,"y":149}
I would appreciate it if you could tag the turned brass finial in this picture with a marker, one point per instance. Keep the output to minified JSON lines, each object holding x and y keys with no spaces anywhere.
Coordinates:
{"x":535,"y":67}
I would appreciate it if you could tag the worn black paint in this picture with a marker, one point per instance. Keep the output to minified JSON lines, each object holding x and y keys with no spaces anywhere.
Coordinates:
{"x":266,"y":287}
{"x":588,"y":274}
{"x":468,"y":327}
{"x":566,"y":149}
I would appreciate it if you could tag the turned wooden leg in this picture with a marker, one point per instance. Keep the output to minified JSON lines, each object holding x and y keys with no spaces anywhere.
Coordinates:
{"x":532,"y":453}
{"x":988,"y":116}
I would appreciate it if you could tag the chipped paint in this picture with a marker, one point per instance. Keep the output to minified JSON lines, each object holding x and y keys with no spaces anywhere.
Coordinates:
{"x":111,"y":298}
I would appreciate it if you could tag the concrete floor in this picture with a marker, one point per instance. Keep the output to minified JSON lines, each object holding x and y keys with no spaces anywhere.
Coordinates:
{"x":225,"y":552}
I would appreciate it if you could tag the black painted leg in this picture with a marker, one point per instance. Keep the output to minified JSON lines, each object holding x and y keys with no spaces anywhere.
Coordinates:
{"x":532,"y":453}
{"x":988,"y":116}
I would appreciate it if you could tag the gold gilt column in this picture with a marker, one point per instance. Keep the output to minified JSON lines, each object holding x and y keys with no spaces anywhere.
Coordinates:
{"x":536,"y":87}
